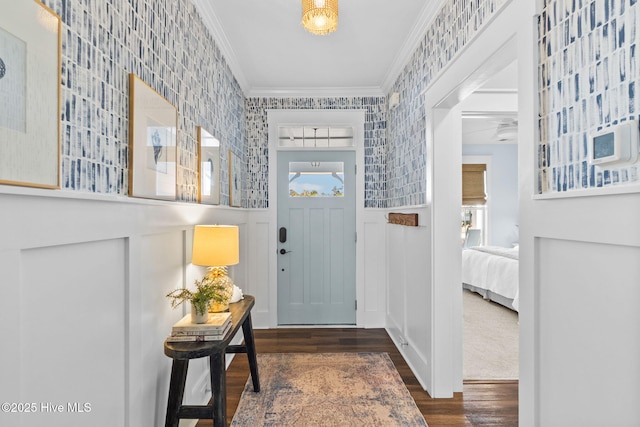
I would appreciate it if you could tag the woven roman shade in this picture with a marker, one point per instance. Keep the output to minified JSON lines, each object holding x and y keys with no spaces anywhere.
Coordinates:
{"x":473,"y":191}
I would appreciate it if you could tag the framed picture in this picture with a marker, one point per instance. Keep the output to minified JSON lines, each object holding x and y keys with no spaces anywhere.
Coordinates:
{"x":153,"y":124}
{"x":30,"y":95}
{"x":208,"y":168}
{"x":235,"y":185}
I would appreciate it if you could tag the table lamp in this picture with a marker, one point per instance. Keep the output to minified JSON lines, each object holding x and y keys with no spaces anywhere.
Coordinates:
{"x":216,"y":247}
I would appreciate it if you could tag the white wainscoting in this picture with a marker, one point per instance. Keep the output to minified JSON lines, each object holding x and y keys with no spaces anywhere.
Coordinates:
{"x":83,"y":280}
{"x":257,"y":250}
{"x":409,"y":291}
{"x":588,"y":351}
{"x":371,"y":269}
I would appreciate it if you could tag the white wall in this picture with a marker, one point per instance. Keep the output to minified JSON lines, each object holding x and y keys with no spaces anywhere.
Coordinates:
{"x":84,"y":315}
{"x":83,"y":280}
{"x":409,"y":298}
{"x":502,"y":190}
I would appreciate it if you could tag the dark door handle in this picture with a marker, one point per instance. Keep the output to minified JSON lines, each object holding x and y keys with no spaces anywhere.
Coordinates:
{"x":284,"y":251}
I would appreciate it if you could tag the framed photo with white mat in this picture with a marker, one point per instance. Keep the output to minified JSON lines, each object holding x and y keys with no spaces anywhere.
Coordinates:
{"x":30,"y":67}
{"x":153,"y":124}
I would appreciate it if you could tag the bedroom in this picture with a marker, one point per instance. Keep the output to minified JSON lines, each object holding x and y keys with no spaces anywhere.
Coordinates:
{"x":489,"y":229}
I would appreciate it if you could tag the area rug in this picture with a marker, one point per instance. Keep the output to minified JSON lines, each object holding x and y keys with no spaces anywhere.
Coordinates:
{"x":327,"y":389}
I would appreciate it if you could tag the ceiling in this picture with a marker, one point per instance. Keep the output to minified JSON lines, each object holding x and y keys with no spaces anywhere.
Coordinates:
{"x":270,"y":53}
{"x":490,"y":115}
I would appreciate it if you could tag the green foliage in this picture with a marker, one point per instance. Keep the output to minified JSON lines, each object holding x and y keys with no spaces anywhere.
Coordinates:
{"x":200,"y":297}
{"x":215,"y":286}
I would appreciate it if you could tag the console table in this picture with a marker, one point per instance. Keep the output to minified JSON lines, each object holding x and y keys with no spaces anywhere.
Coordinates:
{"x":182,"y":352}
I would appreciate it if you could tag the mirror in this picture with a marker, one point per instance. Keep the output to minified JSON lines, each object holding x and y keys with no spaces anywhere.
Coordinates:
{"x":208,"y":168}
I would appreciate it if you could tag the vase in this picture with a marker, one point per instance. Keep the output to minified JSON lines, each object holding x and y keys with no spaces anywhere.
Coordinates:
{"x":199,"y":317}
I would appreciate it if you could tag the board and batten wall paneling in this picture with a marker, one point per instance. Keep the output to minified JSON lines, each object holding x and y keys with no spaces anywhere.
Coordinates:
{"x":73,"y":325}
{"x":409,"y":295}
{"x":84,"y":311}
{"x":162,"y":269}
{"x":258,"y":229}
{"x":373,"y":269}
{"x":589,"y":323}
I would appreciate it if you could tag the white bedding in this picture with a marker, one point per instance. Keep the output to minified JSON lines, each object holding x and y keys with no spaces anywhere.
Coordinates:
{"x":494,"y":269}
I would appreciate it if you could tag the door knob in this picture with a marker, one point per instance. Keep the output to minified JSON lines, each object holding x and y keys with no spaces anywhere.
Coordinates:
{"x":284,"y":251}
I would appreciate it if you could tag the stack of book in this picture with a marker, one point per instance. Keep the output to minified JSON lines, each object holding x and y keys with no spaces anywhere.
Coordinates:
{"x":214,"y":330}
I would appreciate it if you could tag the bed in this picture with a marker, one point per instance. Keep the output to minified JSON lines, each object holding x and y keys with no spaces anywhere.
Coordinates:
{"x":492,"y":272}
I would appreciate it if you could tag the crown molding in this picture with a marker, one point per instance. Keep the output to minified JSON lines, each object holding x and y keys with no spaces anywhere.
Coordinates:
{"x":215,"y":29}
{"x":315,"y":92}
{"x":411,"y":43}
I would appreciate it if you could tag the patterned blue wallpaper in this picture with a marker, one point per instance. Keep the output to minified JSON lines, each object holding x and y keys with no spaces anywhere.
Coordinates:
{"x":395,"y":156}
{"x":454,"y":26}
{"x":168,"y":46}
{"x":257,"y":143}
{"x":588,"y":80}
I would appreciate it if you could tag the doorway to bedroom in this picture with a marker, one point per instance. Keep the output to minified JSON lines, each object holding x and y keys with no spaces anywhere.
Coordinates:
{"x":489,"y":229}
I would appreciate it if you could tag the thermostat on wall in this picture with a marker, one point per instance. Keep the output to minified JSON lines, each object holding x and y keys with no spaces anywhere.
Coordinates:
{"x":614,"y":145}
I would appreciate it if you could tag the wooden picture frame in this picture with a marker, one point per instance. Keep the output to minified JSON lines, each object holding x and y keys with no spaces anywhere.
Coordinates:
{"x":208,"y":168}
{"x":153,"y":124}
{"x":30,"y":66}
{"x":235,"y":183}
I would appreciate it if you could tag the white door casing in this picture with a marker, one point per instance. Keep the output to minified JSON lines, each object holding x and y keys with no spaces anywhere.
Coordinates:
{"x":351,"y":118}
{"x":505,"y":39}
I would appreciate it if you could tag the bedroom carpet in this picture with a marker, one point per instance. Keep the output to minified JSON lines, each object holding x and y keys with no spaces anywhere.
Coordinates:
{"x":490,"y":350}
{"x":327,"y":389}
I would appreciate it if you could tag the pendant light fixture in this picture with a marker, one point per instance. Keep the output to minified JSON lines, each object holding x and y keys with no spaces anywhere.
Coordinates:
{"x":320,"y":16}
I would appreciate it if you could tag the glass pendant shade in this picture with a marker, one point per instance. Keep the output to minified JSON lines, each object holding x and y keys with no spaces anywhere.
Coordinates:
{"x":320,"y":16}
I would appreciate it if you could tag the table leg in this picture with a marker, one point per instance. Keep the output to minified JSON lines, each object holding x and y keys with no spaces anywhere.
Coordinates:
{"x":176,"y":391}
{"x":218,"y":372}
{"x":247,"y":330}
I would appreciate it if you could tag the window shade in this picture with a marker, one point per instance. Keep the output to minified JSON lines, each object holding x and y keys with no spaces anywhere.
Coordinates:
{"x":473,"y":190}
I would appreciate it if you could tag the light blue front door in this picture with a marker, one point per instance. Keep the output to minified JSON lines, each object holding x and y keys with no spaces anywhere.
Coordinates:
{"x":317,"y":238}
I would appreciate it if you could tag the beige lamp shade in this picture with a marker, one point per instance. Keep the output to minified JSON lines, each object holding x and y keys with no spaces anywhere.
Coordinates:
{"x":215,"y":245}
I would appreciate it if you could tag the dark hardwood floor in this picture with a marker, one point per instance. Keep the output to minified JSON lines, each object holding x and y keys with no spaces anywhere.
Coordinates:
{"x":483,"y":403}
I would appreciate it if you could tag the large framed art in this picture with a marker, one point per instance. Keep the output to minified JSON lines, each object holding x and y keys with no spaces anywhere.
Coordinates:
{"x":235,"y":186}
{"x":29,"y":95}
{"x":208,"y":168}
{"x":153,"y":124}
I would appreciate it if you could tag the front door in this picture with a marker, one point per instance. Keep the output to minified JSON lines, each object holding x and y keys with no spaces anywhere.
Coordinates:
{"x":316,"y":238}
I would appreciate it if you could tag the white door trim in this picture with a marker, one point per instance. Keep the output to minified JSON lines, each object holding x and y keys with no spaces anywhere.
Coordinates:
{"x":504,"y":40}
{"x":276,"y":118}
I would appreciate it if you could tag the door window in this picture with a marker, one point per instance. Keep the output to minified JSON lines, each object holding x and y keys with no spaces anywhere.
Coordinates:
{"x":315,"y":137}
{"x":316,"y":179}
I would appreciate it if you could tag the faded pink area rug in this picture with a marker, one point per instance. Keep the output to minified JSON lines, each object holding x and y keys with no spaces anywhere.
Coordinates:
{"x":327,"y":389}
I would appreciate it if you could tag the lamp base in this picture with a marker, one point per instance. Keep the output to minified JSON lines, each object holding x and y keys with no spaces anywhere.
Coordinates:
{"x":218,"y":307}
{"x":222,"y":287}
